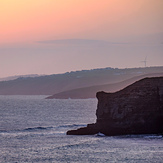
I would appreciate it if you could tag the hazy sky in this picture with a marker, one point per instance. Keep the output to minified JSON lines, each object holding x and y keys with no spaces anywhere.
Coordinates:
{"x":57,"y":36}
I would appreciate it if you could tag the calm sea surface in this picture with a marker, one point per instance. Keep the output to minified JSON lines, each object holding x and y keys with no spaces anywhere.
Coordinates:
{"x":33,"y":129}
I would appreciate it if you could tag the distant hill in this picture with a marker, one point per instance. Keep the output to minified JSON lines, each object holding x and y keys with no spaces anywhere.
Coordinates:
{"x":90,"y":92}
{"x":19,"y":76}
{"x":57,"y":83}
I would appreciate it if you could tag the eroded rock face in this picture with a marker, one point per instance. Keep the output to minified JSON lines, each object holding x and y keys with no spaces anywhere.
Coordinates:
{"x":137,"y":109}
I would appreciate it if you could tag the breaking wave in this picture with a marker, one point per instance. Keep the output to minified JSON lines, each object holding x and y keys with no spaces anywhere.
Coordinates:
{"x":37,"y":128}
{"x":142,"y":136}
{"x":72,"y":126}
{"x":42,"y":128}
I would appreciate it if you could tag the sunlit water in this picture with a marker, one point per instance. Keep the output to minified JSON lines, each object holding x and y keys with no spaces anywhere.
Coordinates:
{"x":33,"y":129}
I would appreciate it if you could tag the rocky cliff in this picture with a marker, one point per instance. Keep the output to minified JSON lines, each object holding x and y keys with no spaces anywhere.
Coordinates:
{"x":137,"y":109}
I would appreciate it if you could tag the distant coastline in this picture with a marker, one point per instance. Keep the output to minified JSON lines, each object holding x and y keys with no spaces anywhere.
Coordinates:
{"x":77,"y":84}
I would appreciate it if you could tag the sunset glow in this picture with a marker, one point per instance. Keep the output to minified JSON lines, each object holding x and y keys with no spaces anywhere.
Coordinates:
{"x":30,"y":21}
{"x":23,"y":20}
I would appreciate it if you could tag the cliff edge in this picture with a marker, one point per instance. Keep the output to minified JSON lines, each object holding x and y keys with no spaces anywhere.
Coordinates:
{"x":137,"y":109}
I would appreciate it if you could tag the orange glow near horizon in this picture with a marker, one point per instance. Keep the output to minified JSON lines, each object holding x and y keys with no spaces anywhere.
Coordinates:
{"x":28,"y":20}
{"x":91,"y":34}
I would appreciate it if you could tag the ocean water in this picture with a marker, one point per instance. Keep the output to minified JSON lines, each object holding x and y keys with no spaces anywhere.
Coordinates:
{"x":33,"y":129}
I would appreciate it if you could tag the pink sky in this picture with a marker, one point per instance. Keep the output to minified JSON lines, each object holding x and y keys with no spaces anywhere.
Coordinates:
{"x":56,"y":36}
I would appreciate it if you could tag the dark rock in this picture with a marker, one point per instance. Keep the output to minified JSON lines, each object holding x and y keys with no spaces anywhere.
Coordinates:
{"x":137,"y":109}
{"x":89,"y":130}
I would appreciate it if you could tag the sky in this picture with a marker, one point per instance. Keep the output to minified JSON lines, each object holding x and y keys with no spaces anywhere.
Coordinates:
{"x":58,"y":36}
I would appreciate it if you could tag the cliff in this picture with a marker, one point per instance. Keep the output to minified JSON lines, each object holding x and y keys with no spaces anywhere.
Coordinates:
{"x":137,"y":109}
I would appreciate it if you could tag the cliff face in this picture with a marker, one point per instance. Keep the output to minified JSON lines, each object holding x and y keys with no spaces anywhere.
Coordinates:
{"x":137,"y":109}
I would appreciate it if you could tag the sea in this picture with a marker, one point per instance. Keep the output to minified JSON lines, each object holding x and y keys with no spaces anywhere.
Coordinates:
{"x":33,"y":129}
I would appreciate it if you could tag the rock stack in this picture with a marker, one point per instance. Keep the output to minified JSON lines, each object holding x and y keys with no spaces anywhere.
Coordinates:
{"x":137,"y":109}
